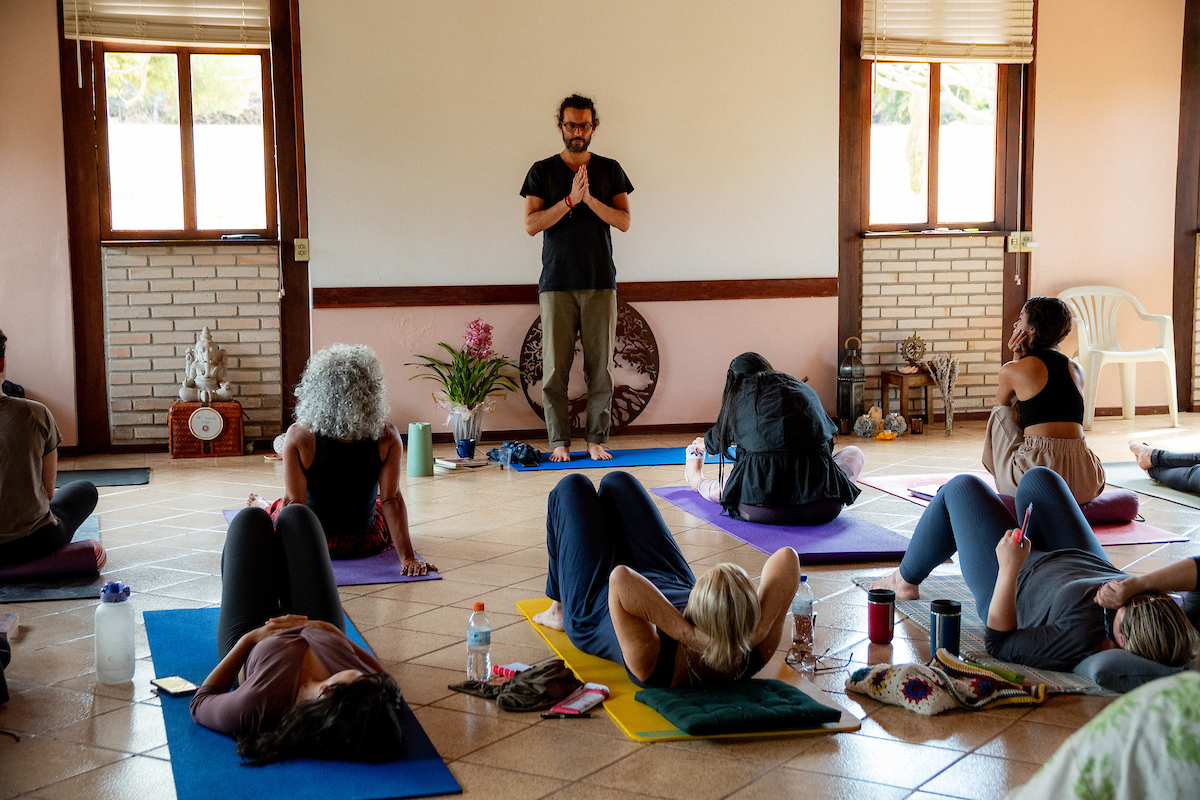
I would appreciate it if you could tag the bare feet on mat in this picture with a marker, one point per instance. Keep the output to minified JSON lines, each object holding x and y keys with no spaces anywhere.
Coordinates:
{"x":560,"y":453}
{"x":552,"y":617}
{"x":597,"y":452}
{"x":1142,"y":451}
{"x":693,"y":462}
{"x":903,"y":589}
{"x":256,"y":501}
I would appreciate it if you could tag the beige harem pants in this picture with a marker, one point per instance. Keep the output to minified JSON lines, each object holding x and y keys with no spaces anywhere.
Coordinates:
{"x":1008,"y":454}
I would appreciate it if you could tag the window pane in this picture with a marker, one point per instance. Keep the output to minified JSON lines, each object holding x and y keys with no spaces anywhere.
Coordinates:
{"x":227,"y":115}
{"x":967,"y":144}
{"x":144,"y":160}
{"x":899,"y":144}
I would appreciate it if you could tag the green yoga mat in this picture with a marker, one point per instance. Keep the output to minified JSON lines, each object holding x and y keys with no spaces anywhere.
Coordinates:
{"x":1128,"y":475}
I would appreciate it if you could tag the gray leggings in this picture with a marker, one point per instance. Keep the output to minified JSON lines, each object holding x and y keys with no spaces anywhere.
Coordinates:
{"x":1180,"y":471}
{"x":968,"y":517}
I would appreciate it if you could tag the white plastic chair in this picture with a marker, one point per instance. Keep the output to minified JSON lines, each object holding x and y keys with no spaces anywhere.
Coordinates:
{"x":1094,"y":311}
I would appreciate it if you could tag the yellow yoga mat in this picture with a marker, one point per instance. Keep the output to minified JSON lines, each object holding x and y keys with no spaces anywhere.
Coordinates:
{"x":643,"y":723}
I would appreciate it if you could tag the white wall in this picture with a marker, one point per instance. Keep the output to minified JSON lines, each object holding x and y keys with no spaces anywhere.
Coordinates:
{"x":1105,"y":156}
{"x":35,"y":271}
{"x":422,"y":118}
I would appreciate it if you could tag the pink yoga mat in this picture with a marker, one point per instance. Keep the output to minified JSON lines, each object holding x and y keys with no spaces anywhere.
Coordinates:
{"x":380,"y":568}
{"x":1125,"y":533}
{"x":846,"y":538}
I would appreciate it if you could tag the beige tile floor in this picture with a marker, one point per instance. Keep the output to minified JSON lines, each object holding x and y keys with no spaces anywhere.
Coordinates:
{"x":485,"y":530}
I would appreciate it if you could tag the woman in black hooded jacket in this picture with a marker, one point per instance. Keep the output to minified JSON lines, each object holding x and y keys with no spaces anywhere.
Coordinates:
{"x":784,"y":471}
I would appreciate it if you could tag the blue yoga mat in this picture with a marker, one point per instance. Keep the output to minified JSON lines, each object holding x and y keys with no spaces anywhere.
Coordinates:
{"x":845,"y":538}
{"x":644,"y":457}
{"x":206,"y":764}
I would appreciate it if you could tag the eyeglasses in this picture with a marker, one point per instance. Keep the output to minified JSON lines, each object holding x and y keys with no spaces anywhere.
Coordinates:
{"x":571,"y":127}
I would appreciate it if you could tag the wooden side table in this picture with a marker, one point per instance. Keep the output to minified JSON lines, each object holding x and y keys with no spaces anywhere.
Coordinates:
{"x":905,"y":382}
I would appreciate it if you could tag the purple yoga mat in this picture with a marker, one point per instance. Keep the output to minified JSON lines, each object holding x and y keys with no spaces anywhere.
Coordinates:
{"x":846,"y":538}
{"x":380,"y":568}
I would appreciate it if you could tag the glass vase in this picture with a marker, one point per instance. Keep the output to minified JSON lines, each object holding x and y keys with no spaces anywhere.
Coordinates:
{"x":467,"y":424}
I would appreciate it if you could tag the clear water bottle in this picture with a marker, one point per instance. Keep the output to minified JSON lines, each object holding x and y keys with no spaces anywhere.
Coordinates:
{"x":114,"y":634}
{"x":479,"y":645}
{"x":804,"y":618}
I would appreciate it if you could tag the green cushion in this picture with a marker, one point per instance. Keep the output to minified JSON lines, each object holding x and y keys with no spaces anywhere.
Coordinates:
{"x":738,"y":707}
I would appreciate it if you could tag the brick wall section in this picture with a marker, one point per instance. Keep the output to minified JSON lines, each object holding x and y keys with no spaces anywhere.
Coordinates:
{"x":948,"y":291}
{"x":158,"y":299}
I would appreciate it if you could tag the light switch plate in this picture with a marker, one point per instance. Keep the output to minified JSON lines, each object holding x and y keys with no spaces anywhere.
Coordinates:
{"x":301,"y":249}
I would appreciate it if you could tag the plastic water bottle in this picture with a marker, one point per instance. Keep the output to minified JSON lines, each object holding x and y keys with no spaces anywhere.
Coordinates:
{"x":479,"y":645}
{"x":803,"y":618}
{"x":114,"y":634}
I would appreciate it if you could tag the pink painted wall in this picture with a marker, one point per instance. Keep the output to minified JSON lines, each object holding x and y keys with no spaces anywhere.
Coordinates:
{"x":35,"y":279}
{"x":1105,"y":154}
{"x":696,"y":342}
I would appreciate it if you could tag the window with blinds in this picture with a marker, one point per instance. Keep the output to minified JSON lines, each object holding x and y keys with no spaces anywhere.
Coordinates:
{"x":239,"y":23}
{"x":930,"y":31}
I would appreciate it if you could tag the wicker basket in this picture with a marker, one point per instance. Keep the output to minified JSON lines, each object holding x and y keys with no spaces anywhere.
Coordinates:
{"x":230,"y":442}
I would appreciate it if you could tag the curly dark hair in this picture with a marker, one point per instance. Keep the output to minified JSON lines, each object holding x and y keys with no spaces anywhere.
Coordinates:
{"x":580,"y":103}
{"x":355,"y":721}
{"x":1050,"y":319}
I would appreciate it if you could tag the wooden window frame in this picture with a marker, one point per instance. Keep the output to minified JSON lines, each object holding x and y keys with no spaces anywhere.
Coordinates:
{"x":190,"y":231}
{"x":1006,"y":74}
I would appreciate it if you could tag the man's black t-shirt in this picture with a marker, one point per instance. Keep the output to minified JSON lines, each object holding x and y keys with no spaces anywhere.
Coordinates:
{"x":577,"y":250}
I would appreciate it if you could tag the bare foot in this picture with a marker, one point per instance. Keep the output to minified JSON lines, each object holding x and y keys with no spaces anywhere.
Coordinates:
{"x":256,"y":501}
{"x":1142,"y":451}
{"x":560,"y":453}
{"x":597,"y":452}
{"x":903,"y":589}
{"x":552,"y":617}
{"x":693,"y":463}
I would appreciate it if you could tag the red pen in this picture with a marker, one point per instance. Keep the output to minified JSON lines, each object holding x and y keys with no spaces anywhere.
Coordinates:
{"x":1020,"y":536}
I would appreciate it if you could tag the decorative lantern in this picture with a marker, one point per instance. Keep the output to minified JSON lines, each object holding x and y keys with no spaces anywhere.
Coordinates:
{"x":851,"y":382}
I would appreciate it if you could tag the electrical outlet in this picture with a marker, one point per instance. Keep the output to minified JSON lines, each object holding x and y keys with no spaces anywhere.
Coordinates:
{"x":1019,"y":242}
{"x":301,"y":249}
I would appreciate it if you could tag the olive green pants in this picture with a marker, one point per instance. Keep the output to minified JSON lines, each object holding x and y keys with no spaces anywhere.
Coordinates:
{"x":592,"y":313}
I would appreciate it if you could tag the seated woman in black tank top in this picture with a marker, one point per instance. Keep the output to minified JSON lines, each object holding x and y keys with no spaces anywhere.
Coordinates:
{"x":1038,"y":419}
{"x":342,"y":458}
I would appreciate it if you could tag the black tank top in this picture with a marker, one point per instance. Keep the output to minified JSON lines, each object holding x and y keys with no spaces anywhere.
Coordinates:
{"x":1059,"y":400}
{"x":343,"y":483}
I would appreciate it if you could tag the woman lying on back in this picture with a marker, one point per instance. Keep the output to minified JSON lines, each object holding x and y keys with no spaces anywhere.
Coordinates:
{"x":622,"y":590}
{"x":307,"y":691}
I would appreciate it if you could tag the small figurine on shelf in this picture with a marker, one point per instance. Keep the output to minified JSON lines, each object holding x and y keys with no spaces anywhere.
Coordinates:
{"x":913,"y":350}
{"x":204,"y":366}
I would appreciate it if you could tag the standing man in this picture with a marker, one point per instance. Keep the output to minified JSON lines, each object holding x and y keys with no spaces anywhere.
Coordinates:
{"x":576,"y":198}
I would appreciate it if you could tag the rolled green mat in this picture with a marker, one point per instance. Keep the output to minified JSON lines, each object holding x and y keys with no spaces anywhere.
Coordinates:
{"x":420,"y":449}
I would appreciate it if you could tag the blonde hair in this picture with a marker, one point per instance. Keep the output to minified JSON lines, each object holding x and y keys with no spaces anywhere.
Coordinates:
{"x":342,"y":393}
{"x":724,"y":605}
{"x":1156,"y":628}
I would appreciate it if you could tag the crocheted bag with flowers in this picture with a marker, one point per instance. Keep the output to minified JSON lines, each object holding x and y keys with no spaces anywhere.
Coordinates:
{"x":947,"y":682}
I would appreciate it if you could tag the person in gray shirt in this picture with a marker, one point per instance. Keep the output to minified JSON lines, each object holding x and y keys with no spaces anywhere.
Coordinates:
{"x":1046,"y":593}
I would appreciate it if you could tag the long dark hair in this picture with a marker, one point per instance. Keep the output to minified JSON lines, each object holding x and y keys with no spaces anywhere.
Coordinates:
{"x":745,"y":366}
{"x":355,"y":721}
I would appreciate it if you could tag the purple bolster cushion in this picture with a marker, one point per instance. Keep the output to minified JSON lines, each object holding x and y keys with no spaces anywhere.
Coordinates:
{"x":75,"y":559}
{"x":1114,"y":506}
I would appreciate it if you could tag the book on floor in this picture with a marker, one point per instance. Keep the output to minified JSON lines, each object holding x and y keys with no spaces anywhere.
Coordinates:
{"x":459,"y":463}
{"x":925,"y":491}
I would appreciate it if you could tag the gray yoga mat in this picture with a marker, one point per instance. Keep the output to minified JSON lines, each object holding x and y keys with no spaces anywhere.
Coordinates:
{"x":1128,"y":475}
{"x":131,"y":476}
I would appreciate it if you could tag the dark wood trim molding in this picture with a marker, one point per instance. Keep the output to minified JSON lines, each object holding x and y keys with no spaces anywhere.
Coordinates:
{"x":1187,"y":206}
{"x":645,"y":292}
{"x":83,"y":244}
{"x":852,"y":162}
{"x":294,"y":311}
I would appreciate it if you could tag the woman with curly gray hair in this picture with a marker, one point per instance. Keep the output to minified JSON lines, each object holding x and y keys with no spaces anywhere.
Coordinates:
{"x":342,"y":458}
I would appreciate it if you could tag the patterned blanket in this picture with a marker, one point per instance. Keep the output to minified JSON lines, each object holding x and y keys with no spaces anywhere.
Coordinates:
{"x":953,"y":587}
